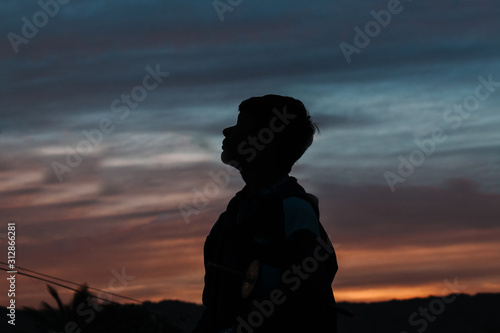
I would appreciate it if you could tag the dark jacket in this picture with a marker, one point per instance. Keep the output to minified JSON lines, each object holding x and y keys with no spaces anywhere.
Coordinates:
{"x":280,"y":229}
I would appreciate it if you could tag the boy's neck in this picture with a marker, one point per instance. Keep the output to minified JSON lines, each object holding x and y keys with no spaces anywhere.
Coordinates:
{"x":256,"y":182}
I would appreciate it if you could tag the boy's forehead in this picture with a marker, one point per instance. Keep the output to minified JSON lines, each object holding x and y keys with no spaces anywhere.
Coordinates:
{"x":245,"y":117}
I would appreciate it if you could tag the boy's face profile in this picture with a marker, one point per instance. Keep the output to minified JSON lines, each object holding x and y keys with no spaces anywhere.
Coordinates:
{"x":259,"y":146}
{"x":235,"y":136}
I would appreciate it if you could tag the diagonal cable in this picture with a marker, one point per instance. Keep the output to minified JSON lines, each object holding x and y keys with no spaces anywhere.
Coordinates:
{"x":66,"y":281}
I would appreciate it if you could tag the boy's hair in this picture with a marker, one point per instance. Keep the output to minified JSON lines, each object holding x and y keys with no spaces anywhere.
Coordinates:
{"x":295,"y":133}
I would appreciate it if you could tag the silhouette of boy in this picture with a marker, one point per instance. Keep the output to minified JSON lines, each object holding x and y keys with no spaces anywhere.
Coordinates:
{"x":269,"y":264}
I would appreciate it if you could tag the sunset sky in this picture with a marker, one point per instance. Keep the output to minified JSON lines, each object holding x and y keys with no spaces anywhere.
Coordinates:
{"x":406,"y":166}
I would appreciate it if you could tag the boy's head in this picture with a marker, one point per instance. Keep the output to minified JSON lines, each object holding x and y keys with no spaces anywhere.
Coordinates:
{"x":272,"y":131}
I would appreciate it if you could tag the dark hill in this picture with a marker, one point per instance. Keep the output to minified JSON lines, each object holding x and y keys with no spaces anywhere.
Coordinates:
{"x":463,"y":314}
{"x":454,"y":314}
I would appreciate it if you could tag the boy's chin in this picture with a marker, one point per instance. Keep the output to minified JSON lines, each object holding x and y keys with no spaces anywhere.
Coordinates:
{"x":226,"y":157}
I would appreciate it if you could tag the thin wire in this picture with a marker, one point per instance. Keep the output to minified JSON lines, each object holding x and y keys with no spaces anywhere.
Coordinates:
{"x":76,"y":290}
{"x":57,"y":284}
{"x":70,"y":282}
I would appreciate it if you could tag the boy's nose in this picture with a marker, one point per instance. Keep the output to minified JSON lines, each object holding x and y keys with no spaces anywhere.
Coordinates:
{"x":227,"y":131}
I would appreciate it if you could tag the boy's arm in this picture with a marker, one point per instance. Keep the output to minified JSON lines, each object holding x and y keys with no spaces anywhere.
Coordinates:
{"x":285,"y":296}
